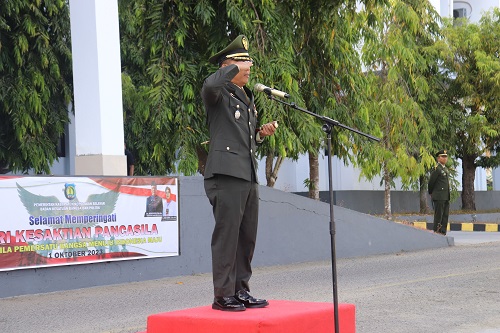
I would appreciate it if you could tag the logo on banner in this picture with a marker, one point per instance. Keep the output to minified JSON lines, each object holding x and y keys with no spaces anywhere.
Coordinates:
{"x":47,"y":209}
{"x":69,"y":191}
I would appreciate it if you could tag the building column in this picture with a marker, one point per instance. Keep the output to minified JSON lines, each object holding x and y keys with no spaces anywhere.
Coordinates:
{"x":495,"y":173}
{"x":95,"y":40}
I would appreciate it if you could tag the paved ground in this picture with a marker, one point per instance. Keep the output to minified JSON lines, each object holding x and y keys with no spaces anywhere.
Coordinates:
{"x":447,"y":290}
{"x":474,"y":237}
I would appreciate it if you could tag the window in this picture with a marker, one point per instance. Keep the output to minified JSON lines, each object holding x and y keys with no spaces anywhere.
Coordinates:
{"x":459,"y":13}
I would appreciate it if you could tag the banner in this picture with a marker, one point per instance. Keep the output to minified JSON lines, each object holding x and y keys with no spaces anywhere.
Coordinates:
{"x":51,"y":221}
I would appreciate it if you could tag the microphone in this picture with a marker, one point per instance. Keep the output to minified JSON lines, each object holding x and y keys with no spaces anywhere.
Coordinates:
{"x":270,"y":91}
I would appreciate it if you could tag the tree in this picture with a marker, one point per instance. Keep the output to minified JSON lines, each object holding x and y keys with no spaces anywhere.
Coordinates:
{"x":275,"y":49}
{"x":165,"y":47}
{"x":470,"y":54}
{"x":35,"y":82}
{"x":161,"y":44}
{"x":395,"y":52}
{"x":330,"y":76}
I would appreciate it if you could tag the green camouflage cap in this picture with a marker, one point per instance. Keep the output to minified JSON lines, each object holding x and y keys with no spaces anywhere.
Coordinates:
{"x":237,"y":50}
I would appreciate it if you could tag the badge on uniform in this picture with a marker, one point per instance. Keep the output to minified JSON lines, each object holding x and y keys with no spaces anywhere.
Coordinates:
{"x":255,"y":111}
{"x":237,"y":115}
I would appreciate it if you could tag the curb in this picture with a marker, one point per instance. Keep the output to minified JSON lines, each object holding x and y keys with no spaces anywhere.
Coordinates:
{"x":486,"y":227}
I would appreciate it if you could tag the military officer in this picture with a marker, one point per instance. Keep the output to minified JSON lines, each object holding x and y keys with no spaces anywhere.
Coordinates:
{"x":439,"y":189}
{"x":231,"y":175}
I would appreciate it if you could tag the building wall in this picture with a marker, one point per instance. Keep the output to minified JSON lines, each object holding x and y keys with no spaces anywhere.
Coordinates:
{"x":402,"y":202}
{"x":474,"y":8}
{"x":344,"y":177}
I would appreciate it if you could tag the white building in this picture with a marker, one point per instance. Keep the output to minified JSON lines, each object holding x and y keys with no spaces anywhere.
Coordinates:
{"x":472,"y":9}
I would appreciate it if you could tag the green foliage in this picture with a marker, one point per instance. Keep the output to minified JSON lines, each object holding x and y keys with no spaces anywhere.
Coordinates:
{"x":309,"y":184}
{"x":401,"y":62}
{"x":35,"y":81}
{"x":165,"y":48}
{"x":400,"y":56}
{"x":310,"y":49}
{"x":329,"y":71}
{"x":470,"y":54}
{"x":160,"y":45}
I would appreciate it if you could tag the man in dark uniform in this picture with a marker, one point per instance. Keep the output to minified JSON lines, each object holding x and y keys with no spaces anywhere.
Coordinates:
{"x":439,"y":189}
{"x":231,"y":181}
{"x":154,"y":204}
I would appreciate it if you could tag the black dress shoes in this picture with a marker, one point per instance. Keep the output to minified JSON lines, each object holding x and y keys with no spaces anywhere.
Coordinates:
{"x":227,"y":304}
{"x":248,"y":301}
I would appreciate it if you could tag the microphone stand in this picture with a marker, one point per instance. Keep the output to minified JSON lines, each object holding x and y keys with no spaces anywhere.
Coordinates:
{"x":327,"y":128}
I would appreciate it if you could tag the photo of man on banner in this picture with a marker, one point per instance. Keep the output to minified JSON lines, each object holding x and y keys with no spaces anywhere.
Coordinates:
{"x":154,"y":203}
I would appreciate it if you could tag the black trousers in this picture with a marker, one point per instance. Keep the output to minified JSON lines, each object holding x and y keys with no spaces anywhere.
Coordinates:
{"x":235,"y":204}
{"x":441,"y":212}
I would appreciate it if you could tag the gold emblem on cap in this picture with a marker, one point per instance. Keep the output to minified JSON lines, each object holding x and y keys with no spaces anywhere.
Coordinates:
{"x":244,"y":41}
{"x":445,"y":152}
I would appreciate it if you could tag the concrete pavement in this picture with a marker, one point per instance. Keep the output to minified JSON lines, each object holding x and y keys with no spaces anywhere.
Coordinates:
{"x":471,"y":237}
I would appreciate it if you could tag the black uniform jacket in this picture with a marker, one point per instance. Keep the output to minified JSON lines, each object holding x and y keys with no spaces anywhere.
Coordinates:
{"x":439,"y":185}
{"x":232,"y":123}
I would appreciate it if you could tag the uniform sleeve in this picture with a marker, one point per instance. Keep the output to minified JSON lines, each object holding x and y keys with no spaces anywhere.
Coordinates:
{"x":211,"y":91}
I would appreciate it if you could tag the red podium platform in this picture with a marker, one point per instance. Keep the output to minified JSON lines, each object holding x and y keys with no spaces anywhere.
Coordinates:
{"x":278,"y":317}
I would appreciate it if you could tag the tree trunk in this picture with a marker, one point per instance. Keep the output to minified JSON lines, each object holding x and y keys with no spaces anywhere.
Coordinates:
{"x":387,"y":194}
{"x":272,"y":171}
{"x":314,"y":176}
{"x":269,"y":169}
{"x":468,"y":176}
{"x":424,"y":207}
